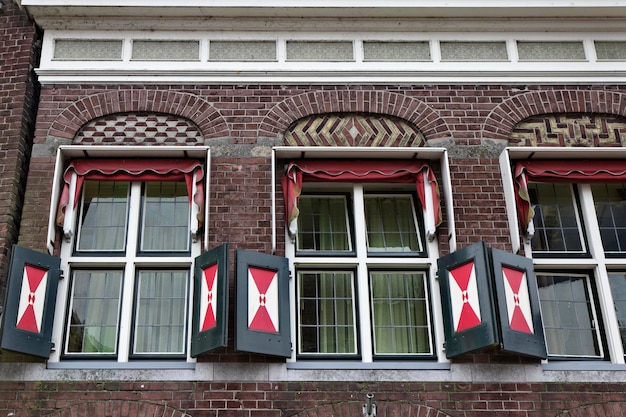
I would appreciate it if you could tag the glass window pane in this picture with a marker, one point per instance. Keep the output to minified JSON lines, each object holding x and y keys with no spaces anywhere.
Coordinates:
{"x":617,"y":281}
{"x":569,"y":316}
{"x":556,"y":221}
{"x":165,"y":223}
{"x":610,"y":204}
{"x":323,"y":224}
{"x":327,"y":316}
{"x":160,"y":314}
{"x":103,"y":216}
{"x":94,"y":312}
{"x":391,"y":224}
{"x":401,"y":315}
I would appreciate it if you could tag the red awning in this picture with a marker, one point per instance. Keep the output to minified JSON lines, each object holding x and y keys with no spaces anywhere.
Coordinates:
{"x":187,"y":170}
{"x":579,"y":171}
{"x":368,"y":171}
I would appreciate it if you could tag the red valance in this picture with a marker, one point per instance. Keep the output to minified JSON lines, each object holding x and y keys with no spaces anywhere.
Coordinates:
{"x":368,"y":171}
{"x":561,"y":171}
{"x":187,"y":170}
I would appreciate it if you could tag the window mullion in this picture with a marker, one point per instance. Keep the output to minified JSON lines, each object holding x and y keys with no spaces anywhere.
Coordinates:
{"x":362,"y":290}
{"x":596,"y":249}
{"x":128,"y":290}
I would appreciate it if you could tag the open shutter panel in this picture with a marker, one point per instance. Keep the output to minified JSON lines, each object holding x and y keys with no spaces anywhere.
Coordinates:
{"x":31,"y":296}
{"x":466,"y":298}
{"x":518,"y":304}
{"x":210,"y":309}
{"x":262,"y":316}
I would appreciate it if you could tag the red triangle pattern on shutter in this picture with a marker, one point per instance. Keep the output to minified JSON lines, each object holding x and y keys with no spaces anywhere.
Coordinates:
{"x":517,"y":300}
{"x":464,"y":294}
{"x":209,"y":297}
{"x":32,"y":297}
{"x":263,"y":300}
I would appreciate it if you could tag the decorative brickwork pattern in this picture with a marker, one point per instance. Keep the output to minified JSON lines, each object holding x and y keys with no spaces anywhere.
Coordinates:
{"x":353,"y":130}
{"x":501,"y":120}
{"x":189,"y":106}
{"x":570,"y":130}
{"x":137,"y":129}
{"x":424,"y":117}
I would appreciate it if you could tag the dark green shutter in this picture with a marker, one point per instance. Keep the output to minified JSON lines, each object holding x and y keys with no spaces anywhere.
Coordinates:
{"x":262,"y":316}
{"x":521,"y":328}
{"x":30,"y":302}
{"x":466,"y":300}
{"x":210,"y":301}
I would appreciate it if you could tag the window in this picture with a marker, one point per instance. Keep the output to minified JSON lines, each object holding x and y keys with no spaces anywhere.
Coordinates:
{"x":362,"y":260}
{"x":106,"y":226}
{"x":131,"y":239}
{"x":396,"y":288}
{"x":572,"y":214}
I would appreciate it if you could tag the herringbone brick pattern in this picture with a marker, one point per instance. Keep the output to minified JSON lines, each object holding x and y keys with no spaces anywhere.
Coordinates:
{"x":353,"y":130}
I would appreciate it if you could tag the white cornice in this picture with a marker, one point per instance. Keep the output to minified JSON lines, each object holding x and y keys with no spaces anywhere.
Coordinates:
{"x":404,"y":24}
{"x":48,"y":10}
{"x":285,"y":77}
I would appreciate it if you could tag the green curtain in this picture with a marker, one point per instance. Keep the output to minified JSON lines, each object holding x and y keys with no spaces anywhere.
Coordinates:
{"x":95,"y":307}
{"x":160,"y":312}
{"x":400,"y":313}
{"x":567,"y":316}
{"x":165,"y":220}
{"x":104,"y":216}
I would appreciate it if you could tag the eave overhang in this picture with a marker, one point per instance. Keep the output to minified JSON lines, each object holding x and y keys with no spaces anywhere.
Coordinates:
{"x":52,"y":12}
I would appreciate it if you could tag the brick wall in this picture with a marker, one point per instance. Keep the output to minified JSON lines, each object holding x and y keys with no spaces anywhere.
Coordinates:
{"x":18,"y":96}
{"x":241,"y":124}
{"x":310,"y":399}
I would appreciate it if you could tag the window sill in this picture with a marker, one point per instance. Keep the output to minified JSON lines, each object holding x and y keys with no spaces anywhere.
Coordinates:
{"x":590,"y":365}
{"x":156,"y":364}
{"x":402,"y":365}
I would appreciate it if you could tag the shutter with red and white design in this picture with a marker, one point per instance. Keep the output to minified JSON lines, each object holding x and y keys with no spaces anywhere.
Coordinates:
{"x":210,"y":318}
{"x":464,"y":295}
{"x":466,"y":300}
{"x":263,"y":300}
{"x":262,"y":316}
{"x":521,"y":330}
{"x":29,"y":308}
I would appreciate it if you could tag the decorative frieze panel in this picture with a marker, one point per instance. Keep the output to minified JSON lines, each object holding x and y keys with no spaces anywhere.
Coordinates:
{"x":570,"y":130}
{"x":353,"y":130}
{"x":137,"y":128}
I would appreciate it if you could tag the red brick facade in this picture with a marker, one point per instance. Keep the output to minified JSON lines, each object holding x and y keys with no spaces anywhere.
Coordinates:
{"x":473,"y":119}
{"x":248,"y":399}
{"x":475,"y":122}
{"x":18,"y":96}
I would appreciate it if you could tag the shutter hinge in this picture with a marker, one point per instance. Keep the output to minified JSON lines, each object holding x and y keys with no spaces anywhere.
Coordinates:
{"x":61,"y":275}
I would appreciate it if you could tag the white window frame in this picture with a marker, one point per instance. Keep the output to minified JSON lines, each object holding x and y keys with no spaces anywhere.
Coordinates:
{"x":131,"y":262}
{"x":362,"y":261}
{"x":598,"y":264}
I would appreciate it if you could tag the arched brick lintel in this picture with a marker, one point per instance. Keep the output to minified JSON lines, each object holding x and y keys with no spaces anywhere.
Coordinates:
{"x":506,"y":115}
{"x":199,"y":111}
{"x":118,"y":408}
{"x":605,"y":409}
{"x":281,"y":116}
{"x":383,"y":409}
